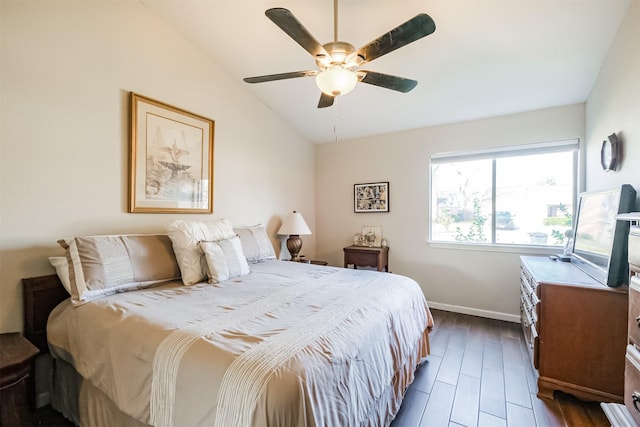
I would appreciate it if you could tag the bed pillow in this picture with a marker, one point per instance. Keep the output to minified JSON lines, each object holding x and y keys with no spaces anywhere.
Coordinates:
{"x":225,"y":259}
{"x":185,"y":236}
{"x":62,"y":270}
{"x":104,"y":265}
{"x":256,"y":244}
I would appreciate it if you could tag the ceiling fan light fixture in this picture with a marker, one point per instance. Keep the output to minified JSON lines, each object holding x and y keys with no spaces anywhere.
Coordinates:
{"x":339,"y":62}
{"x":336,"y":81}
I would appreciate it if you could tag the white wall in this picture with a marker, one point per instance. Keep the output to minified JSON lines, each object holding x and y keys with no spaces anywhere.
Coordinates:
{"x":67,"y":68}
{"x":479,"y":282}
{"x":484,"y":283}
{"x":614,"y":106}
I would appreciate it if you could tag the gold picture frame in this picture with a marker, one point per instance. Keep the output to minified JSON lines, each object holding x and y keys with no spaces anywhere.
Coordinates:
{"x":171,"y":160}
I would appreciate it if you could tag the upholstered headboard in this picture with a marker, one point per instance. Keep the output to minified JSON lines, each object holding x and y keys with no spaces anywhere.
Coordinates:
{"x":41,"y":295}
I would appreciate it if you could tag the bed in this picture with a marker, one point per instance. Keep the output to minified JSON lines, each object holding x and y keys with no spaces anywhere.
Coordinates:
{"x":284,"y":344}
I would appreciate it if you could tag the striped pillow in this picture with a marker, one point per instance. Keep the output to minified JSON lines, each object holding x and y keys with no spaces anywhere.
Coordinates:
{"x":256,"y":244}
{"x":103,"y":265}
{"x":185,"y":236}
{"x":225,"y":259}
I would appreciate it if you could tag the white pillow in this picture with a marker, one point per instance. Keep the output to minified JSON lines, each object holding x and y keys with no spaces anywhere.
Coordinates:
{"x":61,"y":265}
{"x":185,"y":236}
{"x":225,"y":259}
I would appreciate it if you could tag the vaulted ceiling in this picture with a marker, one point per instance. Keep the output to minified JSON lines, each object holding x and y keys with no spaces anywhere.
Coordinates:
{"x":486,"y":57}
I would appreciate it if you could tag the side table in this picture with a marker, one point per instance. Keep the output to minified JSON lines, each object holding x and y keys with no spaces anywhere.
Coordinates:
{"x":364,"y":256}
{"x":304,"y":260}
{"x":17,"y":356}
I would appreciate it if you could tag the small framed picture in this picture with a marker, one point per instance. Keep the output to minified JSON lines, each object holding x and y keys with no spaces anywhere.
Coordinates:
{"x":371,"y":197}
{"x":371,"y":236}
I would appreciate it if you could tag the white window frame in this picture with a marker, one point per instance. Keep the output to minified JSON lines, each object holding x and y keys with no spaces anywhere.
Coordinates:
{"x":493,"y":154}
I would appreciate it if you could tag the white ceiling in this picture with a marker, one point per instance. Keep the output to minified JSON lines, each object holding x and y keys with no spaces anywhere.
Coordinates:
{"x":486,"y":57}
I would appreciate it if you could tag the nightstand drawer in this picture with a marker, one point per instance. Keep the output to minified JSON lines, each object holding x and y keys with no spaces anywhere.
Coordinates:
{"x":16,"y":377}
{"x":363,"y":259}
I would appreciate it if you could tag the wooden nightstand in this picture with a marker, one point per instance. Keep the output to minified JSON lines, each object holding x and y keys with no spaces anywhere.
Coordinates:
{"x":17,"y":357}
{"x":363,"y":256}
{"x":304,"y":260}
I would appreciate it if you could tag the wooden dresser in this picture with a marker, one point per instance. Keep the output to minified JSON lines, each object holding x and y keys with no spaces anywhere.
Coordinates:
{"x":629,"y":413}
{"x":576,"y":330}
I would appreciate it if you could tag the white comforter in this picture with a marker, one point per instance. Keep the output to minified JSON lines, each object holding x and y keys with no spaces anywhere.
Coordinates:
{"x":287,"y":345}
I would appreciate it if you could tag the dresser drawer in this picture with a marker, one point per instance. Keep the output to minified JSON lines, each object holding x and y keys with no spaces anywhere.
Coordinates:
{"x":528,"y":288}
{"x":634,"y":311}
{"x":632,"y":382}
{"x":634,"y":246}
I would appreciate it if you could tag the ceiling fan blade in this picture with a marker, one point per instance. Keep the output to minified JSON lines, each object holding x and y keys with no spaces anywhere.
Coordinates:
{"x":417,"y":27}
{"x":399,"y":84}
{"x":325,"y":100}
{"x":288,"y":23}
{"x":280,"y":76}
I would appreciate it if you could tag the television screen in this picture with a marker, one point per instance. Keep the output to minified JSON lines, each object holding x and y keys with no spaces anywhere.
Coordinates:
{"x":594,"y":233}
{"x":600,"y":241}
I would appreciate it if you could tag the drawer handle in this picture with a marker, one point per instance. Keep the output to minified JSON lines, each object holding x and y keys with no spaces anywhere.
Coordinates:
{"x":636,"y":398}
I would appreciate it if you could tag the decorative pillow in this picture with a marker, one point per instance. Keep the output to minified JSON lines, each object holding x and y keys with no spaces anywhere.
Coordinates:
{"x":104,"y":265}
{"x":255,"y":243}
{"x":185,"y":236}
{"x":61,"y":265}
{"x":225,"y":259}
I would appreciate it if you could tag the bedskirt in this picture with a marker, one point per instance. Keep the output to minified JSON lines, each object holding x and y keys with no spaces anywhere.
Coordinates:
{"x":86,"y":405}
{"x":83,"y":403}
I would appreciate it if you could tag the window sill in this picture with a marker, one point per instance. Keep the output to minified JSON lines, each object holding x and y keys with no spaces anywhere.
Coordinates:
{"x":516,"y":249}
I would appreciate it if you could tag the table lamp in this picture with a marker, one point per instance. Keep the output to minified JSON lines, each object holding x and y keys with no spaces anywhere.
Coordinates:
{"x":294,"y":225}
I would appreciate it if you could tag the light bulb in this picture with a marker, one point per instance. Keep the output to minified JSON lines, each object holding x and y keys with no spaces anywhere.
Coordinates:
{"x":336,"y":81}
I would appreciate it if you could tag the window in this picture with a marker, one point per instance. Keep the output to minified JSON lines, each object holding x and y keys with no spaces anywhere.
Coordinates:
{"x":520,"y":195}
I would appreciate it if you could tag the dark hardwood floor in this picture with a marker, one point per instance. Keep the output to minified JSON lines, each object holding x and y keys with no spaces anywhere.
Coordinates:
{"x":48,"y":417}
{"x":478,"y":374}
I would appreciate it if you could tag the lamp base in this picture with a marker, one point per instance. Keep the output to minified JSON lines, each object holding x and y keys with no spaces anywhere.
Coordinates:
{"x":294,"y":245}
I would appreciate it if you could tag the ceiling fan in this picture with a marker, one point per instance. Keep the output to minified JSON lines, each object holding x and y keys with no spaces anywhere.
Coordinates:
{"x":338,"y":62}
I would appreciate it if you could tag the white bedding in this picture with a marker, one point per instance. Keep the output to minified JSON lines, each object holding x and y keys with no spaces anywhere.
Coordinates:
{"x":289,"y":344}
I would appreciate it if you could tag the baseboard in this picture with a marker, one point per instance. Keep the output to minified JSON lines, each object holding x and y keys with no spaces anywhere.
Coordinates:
{"x":475,"y":312}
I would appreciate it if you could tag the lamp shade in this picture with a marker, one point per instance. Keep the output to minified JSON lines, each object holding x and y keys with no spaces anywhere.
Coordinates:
{"x":294,"y":224}
{"x":336,"y":81}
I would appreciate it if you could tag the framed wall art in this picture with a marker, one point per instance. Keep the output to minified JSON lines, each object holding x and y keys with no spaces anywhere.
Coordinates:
{"x":371,"y":197}
{"x":171,"y":160}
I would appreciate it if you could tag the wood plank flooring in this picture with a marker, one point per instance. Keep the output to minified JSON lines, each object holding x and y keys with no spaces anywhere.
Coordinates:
{"x":479,"y":374}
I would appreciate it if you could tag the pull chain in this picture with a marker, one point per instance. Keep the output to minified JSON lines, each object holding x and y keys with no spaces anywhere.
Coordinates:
{"x":335,"y":20}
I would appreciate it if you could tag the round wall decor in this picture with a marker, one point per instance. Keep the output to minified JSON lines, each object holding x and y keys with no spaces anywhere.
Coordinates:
{"x":610,"y":153}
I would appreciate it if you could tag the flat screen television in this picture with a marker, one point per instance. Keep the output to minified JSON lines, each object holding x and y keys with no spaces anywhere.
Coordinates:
{"x":600,"y":241}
